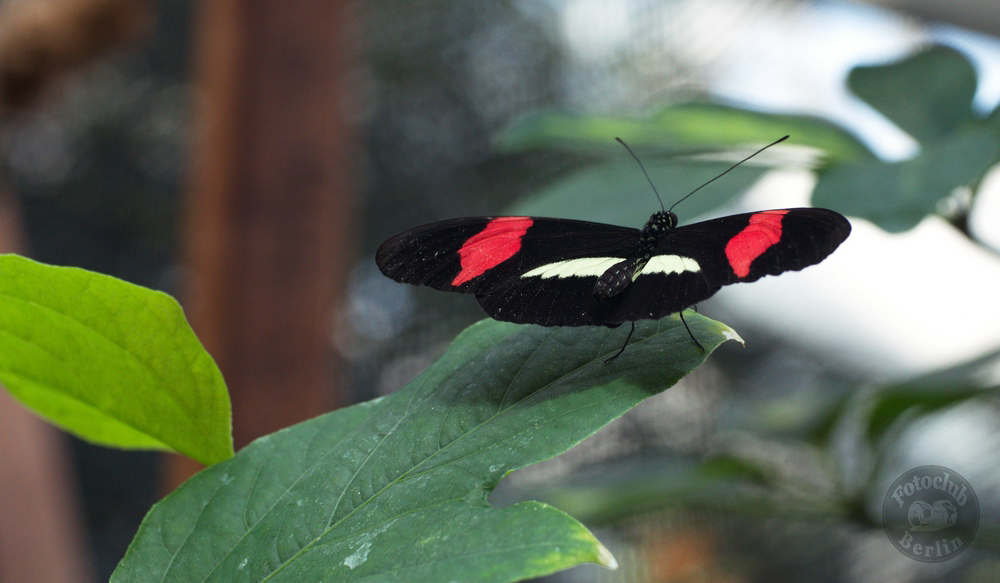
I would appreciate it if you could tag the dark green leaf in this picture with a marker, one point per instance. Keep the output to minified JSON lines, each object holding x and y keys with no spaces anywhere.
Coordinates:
{"x":886,"y":406}
{"x":622,"y":488}
{"x":112,"y":362}
{"x":928,"y":393}
{"x":727,"y":466}
{"x":395,"y":489}
{"x":928,"y":95}
{"x":898,"y":196}
{"x":893,"y":404}
{"x":993,"y":119}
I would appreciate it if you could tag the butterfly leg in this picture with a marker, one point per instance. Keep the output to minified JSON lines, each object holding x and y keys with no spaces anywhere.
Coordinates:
{"x":627,"y":338}
{"x":681,"y":314}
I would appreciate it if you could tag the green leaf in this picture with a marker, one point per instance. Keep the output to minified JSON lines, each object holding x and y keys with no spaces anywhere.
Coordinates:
{"x":618,"y":193}
{"x":680,"y":128}
{"x":886,"y":406}
{"x":111,"y":362}
{"x":897,"y":403}
{"x":928,"y":393}
{"x":395,"y":489}
{"x":898,"y":196}
{"x":928,"y":95}
{"x":993,"y":119}
{"x":619,"y":489}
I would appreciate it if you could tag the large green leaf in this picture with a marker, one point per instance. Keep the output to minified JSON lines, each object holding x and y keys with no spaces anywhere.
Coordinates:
{"x":112,"y":362}
{"x":897,"y":196}
{"x":395,"y":489}
{"x":929,"y":95}
{"x":683,"y":127}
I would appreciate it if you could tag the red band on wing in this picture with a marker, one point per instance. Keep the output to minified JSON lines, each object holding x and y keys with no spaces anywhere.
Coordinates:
{"x":498,"y":242}
{"x":763,"y":232}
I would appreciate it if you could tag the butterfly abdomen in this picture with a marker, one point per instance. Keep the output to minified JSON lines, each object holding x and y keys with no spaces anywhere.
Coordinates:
{"x":613,"y":281}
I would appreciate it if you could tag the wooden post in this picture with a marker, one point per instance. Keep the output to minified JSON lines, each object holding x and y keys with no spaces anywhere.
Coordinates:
{"x":270,"y":216}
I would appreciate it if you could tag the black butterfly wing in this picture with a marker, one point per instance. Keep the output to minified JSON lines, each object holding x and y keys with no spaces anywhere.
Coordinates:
{"x":483,"y":255}
{"x":693,"y":262}
{"x":746,"y":247}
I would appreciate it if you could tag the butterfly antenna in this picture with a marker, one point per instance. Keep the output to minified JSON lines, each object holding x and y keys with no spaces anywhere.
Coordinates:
{"x":643,"y":168}
{"x":774,"y":143}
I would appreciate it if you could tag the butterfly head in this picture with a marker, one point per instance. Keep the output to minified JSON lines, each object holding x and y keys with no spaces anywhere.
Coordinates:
{"x":662,"y":221}
{"x":658,"y":225}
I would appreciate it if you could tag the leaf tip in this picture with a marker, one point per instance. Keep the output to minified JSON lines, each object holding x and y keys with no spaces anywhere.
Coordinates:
{"x":731,"y":334}
{"x":605,"y":558}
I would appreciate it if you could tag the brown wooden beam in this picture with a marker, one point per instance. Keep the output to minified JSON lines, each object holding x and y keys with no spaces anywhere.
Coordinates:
{"x":270,"y":217}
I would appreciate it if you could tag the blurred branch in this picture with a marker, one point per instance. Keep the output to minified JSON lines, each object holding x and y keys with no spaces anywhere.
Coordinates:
{"x":41,"y":40}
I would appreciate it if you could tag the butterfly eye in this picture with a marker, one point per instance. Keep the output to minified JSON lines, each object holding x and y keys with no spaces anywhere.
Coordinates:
{"x":671,"y":220}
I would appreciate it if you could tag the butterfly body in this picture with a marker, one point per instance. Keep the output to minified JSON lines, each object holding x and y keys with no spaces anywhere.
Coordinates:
{"x":559,"y":272}
{"x":617,"y":278}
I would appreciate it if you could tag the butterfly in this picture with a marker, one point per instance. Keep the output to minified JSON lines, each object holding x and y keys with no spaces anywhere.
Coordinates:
{"x":560,"y":272}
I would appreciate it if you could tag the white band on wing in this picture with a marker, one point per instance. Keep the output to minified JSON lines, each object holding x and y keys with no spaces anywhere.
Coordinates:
{"x":596,"y":266}
{"x":582,"y":267}
{"x":669,"y":264}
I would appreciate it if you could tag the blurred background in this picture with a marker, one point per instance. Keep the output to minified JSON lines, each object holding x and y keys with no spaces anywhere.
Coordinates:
{"x":249,"y":157}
